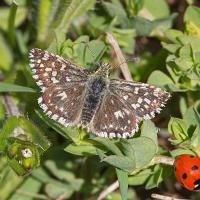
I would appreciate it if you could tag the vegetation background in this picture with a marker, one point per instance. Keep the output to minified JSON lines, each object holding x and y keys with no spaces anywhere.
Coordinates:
{"x":162,"y":38}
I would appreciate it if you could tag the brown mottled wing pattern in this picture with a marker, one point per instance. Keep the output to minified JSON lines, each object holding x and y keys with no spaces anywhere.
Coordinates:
{"x":125,"y":105}
{"x":122,"y":104}
{"x":114,"y":119}
{"x":63,"y":86}
{"x":143,"y":99}
{"x":48,"y":68}
{"x":63,"y":103}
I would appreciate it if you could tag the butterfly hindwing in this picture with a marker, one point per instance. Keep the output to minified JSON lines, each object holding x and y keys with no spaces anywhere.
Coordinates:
{"x":114,"y":119}
{"x":63,"y":103}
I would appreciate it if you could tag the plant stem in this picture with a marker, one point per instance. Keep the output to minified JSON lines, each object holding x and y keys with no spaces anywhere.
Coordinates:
{"x":11,"y":23}
{"x":30,"y":194}
{"x":162,"y":197}
{"x":108,"y":190}
{"x":123,"y":65}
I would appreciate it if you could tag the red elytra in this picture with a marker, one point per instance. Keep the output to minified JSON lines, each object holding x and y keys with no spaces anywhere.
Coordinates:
{"x":187,"y":170}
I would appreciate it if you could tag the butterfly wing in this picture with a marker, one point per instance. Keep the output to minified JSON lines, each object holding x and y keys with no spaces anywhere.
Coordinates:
{"x":48,"y":68}
{"x":124,"y":106}
{"x":63,"y":86}
{"x":63,"y":103}
{"x":143,"y":99}
{"x":114,"y":119}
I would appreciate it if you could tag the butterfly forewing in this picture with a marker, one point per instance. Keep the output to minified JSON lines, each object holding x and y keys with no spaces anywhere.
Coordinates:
{"x":114,"y":119}
{"x":49,"y":68}
{"x":143,"y":100}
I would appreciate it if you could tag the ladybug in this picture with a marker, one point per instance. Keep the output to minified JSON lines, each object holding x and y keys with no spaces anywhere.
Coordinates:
{"x":187,"y":170}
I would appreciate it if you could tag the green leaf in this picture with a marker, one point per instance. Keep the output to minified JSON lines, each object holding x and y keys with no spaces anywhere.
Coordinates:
{"x":178,"y":152}
{"x":143,"y":146}
{"x":8,"y":87}
{"x":123,"y":183}
{"x":56,"y":189}
{"x":149,"y":130}
{"x":63,"y":174}
{"x":150,"y":11}
{"x":58,"y":10}
{"x":44,"y":8}
{"x":117,"y":11}
{"x":88,"y":52}
{"x":192,"y":14}
{"x":125,"y":38}
{"x":155,"y":179}
{"x":121,"y":162}
{"x":74,"y":10}
{"x":6,"y":132}
{"x":127,"y":149}
{"x":30,"y":185}
{"x":111,"y":146}
{"x":19,"y":19}
{"x":178,"y":128}
{"x":172,"y":48}
{"x":7,"y":186}
{"x":134,"y":6}
{"x":34,"y":134}
{"x":66,"y":132}
{"x":192,"y":117}
{"x":145,"y":27}
{"x":81,"y":149}
{"x":139,"y":178}
{"x":159,"y":79}
{"x":195,"y":140}
{"x":6,"y":57}
{"x":173,"y":35}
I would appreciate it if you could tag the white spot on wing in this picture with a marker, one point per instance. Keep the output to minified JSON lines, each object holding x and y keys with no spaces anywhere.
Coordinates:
{"x":40,"y":100}
{"x":63,"y":95}
{"x":48,"y":69}
{"x":139,"y":100}
{"x":125,"y":97}
{"x":54,"y":117}
{"x":63,"y":67}
{"x":147,"y":100}
{"x":54,"y":80}
{"x":118,"y":114}
{"x":136,"y":90}
{"x":54,"y":73}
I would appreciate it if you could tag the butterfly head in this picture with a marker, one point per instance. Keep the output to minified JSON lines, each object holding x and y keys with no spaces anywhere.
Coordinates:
{"x":103,"y":70}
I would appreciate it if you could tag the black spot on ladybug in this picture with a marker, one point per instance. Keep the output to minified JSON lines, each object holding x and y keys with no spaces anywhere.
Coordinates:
{"x":191,"y":156}
{"x":174,"y":168}
{"x":197,"y":184}
{"x":194,"y":167}
{"x":184,"y":176}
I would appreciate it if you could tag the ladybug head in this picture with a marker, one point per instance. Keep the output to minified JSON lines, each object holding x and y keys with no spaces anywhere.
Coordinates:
{"x":197,"y":184}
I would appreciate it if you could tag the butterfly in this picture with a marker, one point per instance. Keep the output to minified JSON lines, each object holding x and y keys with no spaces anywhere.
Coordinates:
{"x":74,"y":96}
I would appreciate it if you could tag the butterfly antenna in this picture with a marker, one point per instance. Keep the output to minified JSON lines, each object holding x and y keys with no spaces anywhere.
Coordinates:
{"x":135,"y":59}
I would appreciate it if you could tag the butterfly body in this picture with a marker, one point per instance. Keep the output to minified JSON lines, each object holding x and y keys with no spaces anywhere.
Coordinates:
{"x":95,"y":91}
{"x":73,"y":96}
